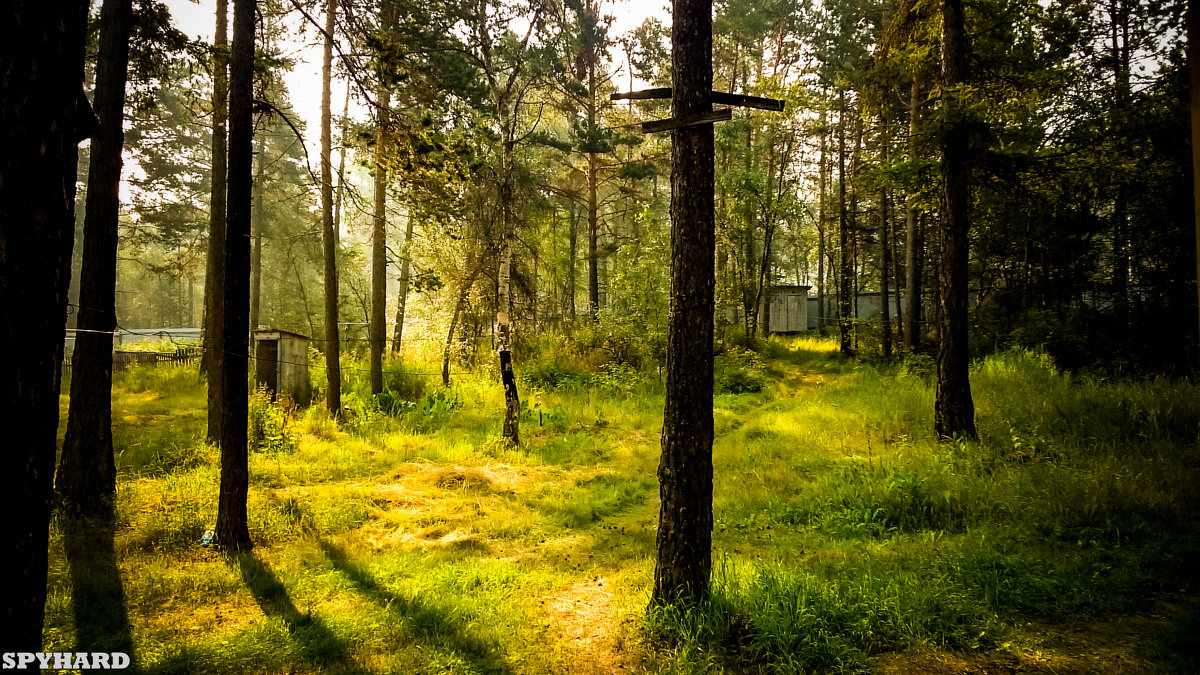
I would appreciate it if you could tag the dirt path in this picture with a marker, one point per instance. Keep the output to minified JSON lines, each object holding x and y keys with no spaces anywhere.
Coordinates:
{"x":595,"y":641}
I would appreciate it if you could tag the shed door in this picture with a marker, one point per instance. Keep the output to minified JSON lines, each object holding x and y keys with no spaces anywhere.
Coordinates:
{"x":266,"y":365}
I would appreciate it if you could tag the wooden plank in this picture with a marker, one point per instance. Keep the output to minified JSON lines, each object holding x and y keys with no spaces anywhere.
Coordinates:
{"x":694,"y":121}
{"x":719,"y":97}
{"x":643,"y":94}
{"x":743,"y":101}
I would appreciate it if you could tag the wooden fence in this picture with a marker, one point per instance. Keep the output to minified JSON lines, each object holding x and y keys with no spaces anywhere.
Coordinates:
{"x":121,"y":360}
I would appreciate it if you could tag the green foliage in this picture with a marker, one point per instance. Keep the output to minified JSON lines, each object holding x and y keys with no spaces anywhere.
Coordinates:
{"x":268,"y":428}
{"x":738,"y":371}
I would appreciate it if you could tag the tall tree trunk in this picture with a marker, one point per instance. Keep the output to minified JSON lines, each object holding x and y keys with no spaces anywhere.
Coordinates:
{"x":1119,"y":20}
{"x":593,"y":233}
{"x":1193,"y":56}
{"x":897,"y":276}
{"x":43,"y":117}
{"x":954,"y":409}
{"x":378,"y":321}
{"x":885,"y":251}
{"x":232,"y":529}
{"x":914,"y":244}
{"x":512,"y":402}
{"x":402,"y":292}
{"x":87,"y":472}
{"x":685,"y":471}
{"x":821,"y":217}
{"x":572,"y":260}
{"x":256,"y":227}
{"x":341,"y":173}
{"x":846,"y":271}
{"x":214,"y":278}
{"x":333,"y":370}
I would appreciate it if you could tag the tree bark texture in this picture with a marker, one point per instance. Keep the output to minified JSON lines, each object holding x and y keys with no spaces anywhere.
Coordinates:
{"x":954,"y":410}
{"x":43,"y":117}
{"x":232,"y":530}
{"x":885,"y":255}
{"x":333,"y":370}
{"x":684,"y":543}
{"x":214,"y":278}
{"x":87,"y":472}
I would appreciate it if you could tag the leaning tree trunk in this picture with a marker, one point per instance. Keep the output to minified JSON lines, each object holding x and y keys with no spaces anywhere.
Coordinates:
{"x":684,"y":544}
{"x":333,"y":370}
{"x":402,"y":292}
{"x":954,"y":410}
{"x":43,"y":117}
{"x":463,"y":292}
{"x":214,"y":278}
{"x":87,"y":472}
{"x":232,"y":529}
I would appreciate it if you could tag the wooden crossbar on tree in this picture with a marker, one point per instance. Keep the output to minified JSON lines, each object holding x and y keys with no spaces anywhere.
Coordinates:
{"x":689,"y":121}
{"x":718,"y":97}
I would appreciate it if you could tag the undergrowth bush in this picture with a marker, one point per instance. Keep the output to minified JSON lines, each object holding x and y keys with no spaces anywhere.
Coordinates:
{"x":738,"y":371}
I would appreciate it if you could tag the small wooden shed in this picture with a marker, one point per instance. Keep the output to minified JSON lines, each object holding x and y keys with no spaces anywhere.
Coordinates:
{"x":281,"y":364}
{"x":788,"y":309}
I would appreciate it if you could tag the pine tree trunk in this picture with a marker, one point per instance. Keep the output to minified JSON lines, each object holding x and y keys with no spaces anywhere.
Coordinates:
{"x":821,"y":215}
{"x":232,"y":528}
{"x":1193,"y":57}
{"x":685,"y":471}
{"x":378,"y":320}
{"x":846,"y":271}
{"x":214,"y":278}
{"x":87,"y":473}
{"x":333,"y":371}
{"x":954,"y":410}
{"x":256,"y":225}
{"x":43,"y":117}
{"x":885,"y":291}
{"x":914,"y":245}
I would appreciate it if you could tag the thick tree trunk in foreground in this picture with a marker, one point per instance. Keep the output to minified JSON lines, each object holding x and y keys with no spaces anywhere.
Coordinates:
{"x":232,"y":530}
{"x":684,"y":545}
{"x":1193,"y":55}
{"x":87,"y":472}
{"x":333,"y":370}
{"x":214,"y":278}
{"x":954,"y":410}
{"x":43,"y":116}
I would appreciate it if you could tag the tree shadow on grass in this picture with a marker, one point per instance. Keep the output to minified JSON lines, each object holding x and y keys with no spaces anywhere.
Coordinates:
{"x":97,"y":594}
{"x":317,"y":643}
{"x":424,"y":619}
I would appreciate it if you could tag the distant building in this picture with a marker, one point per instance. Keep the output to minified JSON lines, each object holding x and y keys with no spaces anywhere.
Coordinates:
{"x":785,"y":308}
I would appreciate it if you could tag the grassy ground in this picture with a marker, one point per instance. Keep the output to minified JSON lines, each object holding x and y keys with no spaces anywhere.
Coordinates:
{"x":413,"y":541}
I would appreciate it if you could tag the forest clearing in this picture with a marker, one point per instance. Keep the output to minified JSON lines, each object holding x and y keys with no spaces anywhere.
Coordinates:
{"x":846,"y":538}
{"x":598,"y":336}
